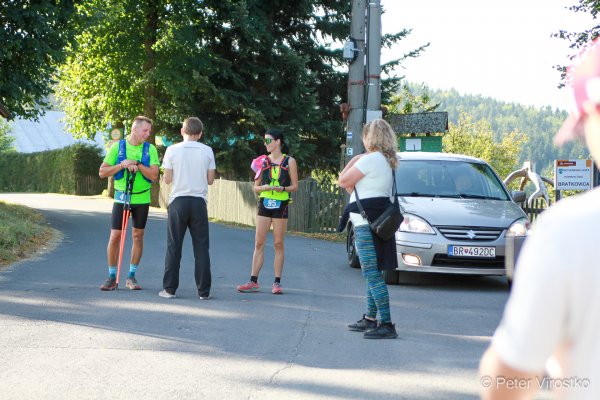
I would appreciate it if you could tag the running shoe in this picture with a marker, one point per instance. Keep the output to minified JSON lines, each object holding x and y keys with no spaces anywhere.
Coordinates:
{"x":132,"y":284}
{"x":248,"y":287}
{"x":277,"y":289}
{"x":165,"y":294}
{"x":385,"y":330}
{"x":363,"y":325}
{"x":110,"y":284}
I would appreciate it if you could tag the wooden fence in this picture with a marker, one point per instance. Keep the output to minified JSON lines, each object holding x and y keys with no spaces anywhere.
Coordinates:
{"x":535,"y":209}
{"x":314,"y":207}
{"x":89,"y":185}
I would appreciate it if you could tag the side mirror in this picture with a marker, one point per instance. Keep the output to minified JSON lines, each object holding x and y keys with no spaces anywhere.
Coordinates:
{"x":518,"y":196}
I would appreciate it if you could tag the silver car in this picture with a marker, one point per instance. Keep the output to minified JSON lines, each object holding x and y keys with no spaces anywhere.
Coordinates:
{"x":457,"y":215}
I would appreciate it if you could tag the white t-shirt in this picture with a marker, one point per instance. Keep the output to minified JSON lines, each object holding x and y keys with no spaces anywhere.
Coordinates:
{"x":190,"y":162}
{"x":377,"y":181}
{"x":554,"y":307}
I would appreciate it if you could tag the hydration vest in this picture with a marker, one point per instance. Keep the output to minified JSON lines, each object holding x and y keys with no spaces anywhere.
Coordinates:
{"x":283,"y":178}
{"x":123,"y":156}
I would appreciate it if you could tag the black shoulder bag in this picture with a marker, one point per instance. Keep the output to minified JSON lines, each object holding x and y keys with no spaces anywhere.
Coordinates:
{"x":386,"y":225}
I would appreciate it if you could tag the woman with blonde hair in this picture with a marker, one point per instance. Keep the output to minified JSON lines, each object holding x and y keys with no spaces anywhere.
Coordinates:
{"x":370,"y":175}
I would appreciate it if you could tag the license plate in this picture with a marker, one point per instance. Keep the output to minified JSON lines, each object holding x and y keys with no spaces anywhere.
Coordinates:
{"x":471,"y":251}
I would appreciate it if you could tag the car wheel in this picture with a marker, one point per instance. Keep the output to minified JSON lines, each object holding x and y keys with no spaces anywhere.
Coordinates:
{"x":353,"y":260}
{"x":391,"y":277}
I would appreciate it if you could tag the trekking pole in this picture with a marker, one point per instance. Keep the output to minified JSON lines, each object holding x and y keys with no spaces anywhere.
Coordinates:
{"x":130,"y":178}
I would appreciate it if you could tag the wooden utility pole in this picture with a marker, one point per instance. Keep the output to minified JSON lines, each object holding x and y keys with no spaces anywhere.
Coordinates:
{"x":364,"y":83}
{"x":373,"y":67}
{"x":356,"y":81}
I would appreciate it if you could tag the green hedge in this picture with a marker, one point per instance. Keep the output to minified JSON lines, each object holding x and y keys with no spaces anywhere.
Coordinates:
{"x":54,"y":171}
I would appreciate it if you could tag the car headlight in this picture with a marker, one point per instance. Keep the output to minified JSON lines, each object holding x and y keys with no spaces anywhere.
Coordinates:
{"x":415,"y":224}
{"x":519,"y":228}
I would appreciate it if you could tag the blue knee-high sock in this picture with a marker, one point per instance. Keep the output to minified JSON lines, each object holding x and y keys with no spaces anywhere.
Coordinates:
{"x":377,"y":292}
{"x":132,"y":269}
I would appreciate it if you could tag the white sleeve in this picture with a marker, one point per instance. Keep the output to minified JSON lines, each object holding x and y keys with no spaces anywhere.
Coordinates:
{"x":211,"y":164}
{"x":365,"y":164}
{"x":167,"y":159}
{"x":534,"y":320}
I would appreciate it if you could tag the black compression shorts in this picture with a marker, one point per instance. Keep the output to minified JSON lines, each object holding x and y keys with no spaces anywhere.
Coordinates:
{"x":139,"y":215}
{"x":279,"y":212}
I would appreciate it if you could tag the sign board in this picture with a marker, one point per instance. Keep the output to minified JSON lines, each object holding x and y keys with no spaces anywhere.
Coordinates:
{"x":373,"y":115}
{"x":421,"y":143}
{"x":572,"y":174}
{"x":413,"y":144}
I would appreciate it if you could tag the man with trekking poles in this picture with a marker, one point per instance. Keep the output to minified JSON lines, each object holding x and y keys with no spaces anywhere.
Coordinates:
{"x":134,"y":164}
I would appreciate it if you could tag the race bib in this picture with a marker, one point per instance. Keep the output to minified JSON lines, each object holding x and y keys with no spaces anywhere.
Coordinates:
{"x":121,"y":197}
{"x":271,"y":204}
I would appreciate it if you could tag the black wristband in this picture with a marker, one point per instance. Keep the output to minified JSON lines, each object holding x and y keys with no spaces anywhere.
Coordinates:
{"x":138,"y":162}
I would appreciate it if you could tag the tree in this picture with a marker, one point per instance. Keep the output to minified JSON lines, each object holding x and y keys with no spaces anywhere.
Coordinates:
{"x":411,"y":100}
{"x":579,"y":40}
{"x":33,"y":35}
{"x":475,"y":138}
{"x":241,"y":66}
{"x":6,"y":141}
{"x":538,"y":124}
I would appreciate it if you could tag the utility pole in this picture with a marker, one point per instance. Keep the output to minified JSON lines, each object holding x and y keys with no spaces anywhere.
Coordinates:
{"x":364,"y":81}
{"x":356,"y":81}
{"x":373,"y":68}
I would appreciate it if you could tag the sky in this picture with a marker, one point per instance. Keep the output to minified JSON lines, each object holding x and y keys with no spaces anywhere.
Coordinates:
{"x":500,"y":49}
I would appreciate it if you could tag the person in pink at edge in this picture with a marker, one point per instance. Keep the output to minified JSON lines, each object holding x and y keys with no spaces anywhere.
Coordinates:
{"x":275,"y":179}
{"x":549,"y":333}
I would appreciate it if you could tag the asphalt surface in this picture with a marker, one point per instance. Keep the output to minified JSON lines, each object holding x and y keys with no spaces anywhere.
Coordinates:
{"x":62,"y":338}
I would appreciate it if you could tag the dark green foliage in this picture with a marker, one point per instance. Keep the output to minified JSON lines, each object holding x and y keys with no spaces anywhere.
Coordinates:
{"x":579,"y":39}
{"x":33,"y":35}
{"x":54,"y":171}
{"x":241,"y":66}
{"x":539,"y":125}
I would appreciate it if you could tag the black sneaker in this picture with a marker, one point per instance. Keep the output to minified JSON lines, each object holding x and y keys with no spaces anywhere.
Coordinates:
{"x":363,"y":325}
{"x":385,"y":330}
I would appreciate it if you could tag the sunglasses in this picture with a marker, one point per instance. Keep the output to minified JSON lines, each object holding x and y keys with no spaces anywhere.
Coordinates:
{"x":268,"y":140}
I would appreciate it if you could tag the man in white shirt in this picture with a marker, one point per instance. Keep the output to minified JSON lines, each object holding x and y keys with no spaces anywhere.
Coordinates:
{"x":190,"y":167}
{"x":548,"y":336}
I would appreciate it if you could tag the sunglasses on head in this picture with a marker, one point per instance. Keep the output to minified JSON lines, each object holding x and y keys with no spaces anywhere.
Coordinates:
{"x":268,"y":140}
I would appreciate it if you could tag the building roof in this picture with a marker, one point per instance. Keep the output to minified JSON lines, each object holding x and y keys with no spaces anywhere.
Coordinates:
{"x":48,"y":133}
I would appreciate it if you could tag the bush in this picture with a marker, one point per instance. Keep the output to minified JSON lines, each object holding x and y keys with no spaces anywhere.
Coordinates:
{"x":54,"y":171}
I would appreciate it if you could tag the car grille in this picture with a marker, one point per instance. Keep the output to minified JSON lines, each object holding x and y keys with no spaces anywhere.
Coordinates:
{"x":466,"y":233}
{"x":442,"y":260}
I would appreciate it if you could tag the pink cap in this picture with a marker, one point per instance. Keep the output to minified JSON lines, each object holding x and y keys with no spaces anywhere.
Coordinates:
{"x":257,"y":164}
{"x":586,"y":86}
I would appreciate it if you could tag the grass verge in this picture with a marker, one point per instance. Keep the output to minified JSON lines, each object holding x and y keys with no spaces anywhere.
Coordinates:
{"x":23,"y":232}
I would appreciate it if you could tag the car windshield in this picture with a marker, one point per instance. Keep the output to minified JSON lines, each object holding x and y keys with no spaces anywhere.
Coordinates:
{"x":445,"y":178}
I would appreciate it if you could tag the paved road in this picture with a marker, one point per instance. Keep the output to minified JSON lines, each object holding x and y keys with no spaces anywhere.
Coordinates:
{"x":62,"y":338}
